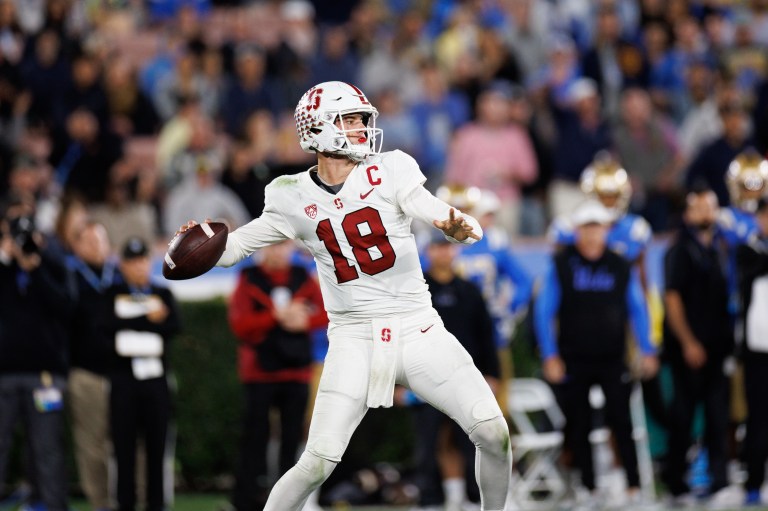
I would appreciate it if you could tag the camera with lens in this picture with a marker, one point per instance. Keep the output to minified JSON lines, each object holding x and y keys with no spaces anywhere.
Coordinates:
{"x":22,"y":230}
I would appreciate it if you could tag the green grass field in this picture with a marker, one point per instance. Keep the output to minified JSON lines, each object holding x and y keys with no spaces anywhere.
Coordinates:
{"x":214,"y":502}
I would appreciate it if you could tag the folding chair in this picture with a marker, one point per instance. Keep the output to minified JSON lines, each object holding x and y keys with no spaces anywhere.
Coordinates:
{"x":535,"y":446}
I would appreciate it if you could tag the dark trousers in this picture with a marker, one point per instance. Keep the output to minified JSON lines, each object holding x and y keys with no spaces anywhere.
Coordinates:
{"x":573,"y":396}
{"x":710,"y":386}
{"x":139,"y":408}
{"x":654,"y":401}
{"x":44,"y":432}
{"x":251,"y":479}
{"x":756,"y":441}
{"x":427,"y":424}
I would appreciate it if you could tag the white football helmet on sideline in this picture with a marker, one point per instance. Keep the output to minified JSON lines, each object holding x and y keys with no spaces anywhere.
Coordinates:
{"x":316,"y":115}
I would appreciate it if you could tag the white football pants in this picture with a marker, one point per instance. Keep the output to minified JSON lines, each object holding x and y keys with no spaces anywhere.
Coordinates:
{"x":434,"y":365}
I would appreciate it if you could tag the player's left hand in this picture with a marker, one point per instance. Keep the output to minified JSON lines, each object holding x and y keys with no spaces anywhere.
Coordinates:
{"x":456,"y":228}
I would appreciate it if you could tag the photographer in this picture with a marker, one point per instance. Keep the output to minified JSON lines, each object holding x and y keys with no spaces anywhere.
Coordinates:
{"x":36,"y":298}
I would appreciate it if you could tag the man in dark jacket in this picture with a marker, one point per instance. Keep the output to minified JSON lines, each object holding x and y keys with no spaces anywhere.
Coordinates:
{"x":36,"y":298}
{"x":698,"y":336}
{"x":443,"y":452}
{"x":593,"y":294}
{"x":141,"y":319}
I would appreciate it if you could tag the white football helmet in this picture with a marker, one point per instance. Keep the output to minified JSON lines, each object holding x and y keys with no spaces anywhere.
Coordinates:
{"x":317,"y":113}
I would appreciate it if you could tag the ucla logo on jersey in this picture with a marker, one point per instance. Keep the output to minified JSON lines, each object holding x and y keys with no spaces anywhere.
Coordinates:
{"x":585,"y":279}
{"x":311,"y":211}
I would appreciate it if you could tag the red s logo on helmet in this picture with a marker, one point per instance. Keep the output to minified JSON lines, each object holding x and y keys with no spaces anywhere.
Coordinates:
{"x":313,"y":100}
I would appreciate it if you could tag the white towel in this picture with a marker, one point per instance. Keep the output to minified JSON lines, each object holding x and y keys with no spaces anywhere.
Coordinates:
{"x":381,"y":382}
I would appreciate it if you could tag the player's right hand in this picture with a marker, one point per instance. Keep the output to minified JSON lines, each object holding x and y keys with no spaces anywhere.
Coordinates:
{"x":190,"y":224}
{"x":186,"y":226}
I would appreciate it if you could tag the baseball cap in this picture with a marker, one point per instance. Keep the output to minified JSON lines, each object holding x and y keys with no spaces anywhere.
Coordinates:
{"x":592,"y":212}
{"x":488,"y":203}
{"x":135,"y":247}
{"x":581,"y":89}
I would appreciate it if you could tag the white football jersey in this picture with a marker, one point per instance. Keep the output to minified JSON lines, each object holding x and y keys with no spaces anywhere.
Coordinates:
{"x":360,"y":237}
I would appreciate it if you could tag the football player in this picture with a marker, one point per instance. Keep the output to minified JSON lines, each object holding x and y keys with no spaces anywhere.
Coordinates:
{"x":606,"y":180}
{"x":630,"y":234}
{"x":736,"y":224}
{"x":353,"y":212}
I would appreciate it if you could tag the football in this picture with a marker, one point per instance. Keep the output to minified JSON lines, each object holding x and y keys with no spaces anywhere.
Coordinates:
{"x":195,"y":251}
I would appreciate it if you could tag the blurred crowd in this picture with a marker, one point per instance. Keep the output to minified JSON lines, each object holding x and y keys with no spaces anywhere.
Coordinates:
{"x":136,"y":116}
{"x":164,"y":110}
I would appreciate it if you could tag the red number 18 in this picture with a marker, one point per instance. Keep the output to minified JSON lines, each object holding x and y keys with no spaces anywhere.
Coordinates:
{"x":360,"y":243}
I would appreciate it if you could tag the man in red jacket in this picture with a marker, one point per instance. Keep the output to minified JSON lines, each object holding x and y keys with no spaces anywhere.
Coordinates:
{"x":272,"y":312}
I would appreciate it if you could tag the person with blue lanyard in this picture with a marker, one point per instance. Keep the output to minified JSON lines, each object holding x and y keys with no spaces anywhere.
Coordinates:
{"x":37,"y":296}
{"x":592,"y":294}
{"x":96,"y":271}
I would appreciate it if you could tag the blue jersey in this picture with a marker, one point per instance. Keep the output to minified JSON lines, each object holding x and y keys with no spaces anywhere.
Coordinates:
{"x":629,"y":235}
{"x":736,"y":227}
{"x":505,"y":285}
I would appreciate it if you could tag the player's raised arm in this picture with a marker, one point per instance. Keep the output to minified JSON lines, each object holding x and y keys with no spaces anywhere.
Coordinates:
{"x":456,"y":226}
{"x":244,"y":241}
{"x":256,"y":234}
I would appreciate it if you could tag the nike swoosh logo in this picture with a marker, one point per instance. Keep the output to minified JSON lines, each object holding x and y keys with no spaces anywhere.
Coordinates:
{"x":424,"y":330}
{"x":366,"y":194}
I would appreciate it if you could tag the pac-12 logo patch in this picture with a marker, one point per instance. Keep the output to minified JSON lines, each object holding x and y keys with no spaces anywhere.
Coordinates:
{"x":311,"y":211}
